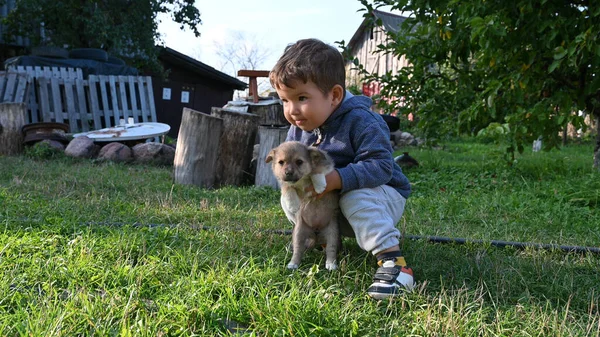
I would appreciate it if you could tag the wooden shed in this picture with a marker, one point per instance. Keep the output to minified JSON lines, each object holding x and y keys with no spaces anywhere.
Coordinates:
{"x":364,"y":43}
{"x":189,"y":84}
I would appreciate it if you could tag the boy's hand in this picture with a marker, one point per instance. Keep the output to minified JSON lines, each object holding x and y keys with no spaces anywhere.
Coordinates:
{"x":334,"y":182}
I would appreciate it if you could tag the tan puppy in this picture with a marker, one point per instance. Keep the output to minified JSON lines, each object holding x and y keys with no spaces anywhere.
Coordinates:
{"x":297,"y":166}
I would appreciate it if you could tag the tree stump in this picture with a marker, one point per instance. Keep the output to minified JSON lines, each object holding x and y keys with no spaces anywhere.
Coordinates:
{"x":12,"y":119}
{"x":197,"y":146}
{"x":270,"y":137}
{"x":235,"y":146}
{"x":269,"y":113}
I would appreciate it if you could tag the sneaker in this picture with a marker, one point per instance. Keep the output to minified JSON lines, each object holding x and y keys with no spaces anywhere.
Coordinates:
{"x":391,"y":280}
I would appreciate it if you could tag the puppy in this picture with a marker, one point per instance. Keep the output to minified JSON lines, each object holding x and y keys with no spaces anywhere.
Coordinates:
{"x":297,"y":166}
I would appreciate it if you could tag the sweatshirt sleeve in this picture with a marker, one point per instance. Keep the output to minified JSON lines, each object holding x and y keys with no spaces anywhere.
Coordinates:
{"x":373,"y":163}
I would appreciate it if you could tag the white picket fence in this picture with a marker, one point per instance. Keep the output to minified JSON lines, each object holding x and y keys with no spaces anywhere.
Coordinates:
{"x":62,"y":95}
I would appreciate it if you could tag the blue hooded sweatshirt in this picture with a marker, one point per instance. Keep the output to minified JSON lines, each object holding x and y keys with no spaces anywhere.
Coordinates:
{"x":358,"y":141}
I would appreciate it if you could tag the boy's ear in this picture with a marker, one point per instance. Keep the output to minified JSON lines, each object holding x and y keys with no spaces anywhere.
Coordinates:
{"x":338,"y":94}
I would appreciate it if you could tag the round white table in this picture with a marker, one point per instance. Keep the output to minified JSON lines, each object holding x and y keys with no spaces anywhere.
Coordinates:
{"x":127,"y":132}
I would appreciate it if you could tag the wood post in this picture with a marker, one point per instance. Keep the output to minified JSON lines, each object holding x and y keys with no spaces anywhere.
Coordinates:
{"x":269,"y":113}
{"x":197,"y":147}
{"x":270,"y":137}
{"x":235,"y":146}
{"x":12,"y":119}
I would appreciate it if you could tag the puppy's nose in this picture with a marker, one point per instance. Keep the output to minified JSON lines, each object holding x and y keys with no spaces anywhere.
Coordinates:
{"x":289,"y":174}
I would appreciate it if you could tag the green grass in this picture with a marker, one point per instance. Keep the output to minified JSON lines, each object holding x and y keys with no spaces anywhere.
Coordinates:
{"x":102,"y":249}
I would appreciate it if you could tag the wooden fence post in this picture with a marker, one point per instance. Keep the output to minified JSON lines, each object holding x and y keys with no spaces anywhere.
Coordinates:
{"x":12,"y":119}
{"x":197,"y":147}
{"x":235,"y":147}
{"x":270,"y":137}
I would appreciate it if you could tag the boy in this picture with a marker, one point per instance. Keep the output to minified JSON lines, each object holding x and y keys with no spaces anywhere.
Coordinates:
{"x":310,"y":80}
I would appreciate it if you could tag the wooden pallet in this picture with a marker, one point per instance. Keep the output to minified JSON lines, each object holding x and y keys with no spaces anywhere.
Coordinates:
{"x":95,"y":103}
{"x":14,"y":87}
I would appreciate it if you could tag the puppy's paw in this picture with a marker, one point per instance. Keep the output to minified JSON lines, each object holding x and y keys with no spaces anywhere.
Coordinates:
{"x":331,"y":265}
{"x":319,"y":182}
{"x":292,"y":266}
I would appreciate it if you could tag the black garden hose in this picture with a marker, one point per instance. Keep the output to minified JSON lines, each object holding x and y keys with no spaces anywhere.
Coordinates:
{"x":428,"y":238}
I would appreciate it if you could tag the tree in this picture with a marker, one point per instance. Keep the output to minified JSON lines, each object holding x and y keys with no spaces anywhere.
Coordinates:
{"x":526,"y":65}
{"x":242,"y":52}
{"x":126,"y":28}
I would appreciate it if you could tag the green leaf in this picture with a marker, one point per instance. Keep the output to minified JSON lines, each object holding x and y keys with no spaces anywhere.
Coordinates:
{"x":559,"y":53}
{"x":553,"y":66}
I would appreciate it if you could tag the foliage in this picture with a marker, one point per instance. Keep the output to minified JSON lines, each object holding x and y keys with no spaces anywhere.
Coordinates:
{"x":528,"y":64}
{"x":107,"y":249}
{"x":43,"y":150}
{"x":125,"y":28}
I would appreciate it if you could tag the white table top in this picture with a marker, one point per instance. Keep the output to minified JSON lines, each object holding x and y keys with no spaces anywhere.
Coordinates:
{"x":136,"y":131}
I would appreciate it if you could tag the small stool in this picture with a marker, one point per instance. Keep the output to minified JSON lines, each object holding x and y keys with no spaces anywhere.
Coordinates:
{"x":252,"y":75}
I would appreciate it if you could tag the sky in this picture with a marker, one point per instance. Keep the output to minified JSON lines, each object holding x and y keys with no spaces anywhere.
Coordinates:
{"x":271,"y":24}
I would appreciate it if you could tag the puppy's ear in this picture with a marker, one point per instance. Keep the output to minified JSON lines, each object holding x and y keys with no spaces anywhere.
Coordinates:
{"x":318,"y":158}
{"x":270,"y":156}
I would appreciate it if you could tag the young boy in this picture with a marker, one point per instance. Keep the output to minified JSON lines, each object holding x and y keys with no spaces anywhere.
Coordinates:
{"x":310,"y":80}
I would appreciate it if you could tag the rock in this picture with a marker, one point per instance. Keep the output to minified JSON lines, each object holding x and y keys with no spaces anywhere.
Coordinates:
{"x":402,"y":139}
{"x":154,"y":153}
{"x":82,"y":147}
{"x":116,"y":152}
{"x":53,"y":144}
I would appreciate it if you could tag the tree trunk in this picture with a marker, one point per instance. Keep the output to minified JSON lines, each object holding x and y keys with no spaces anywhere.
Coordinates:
{"x":270,"y":113}
{"x":270,"y":137}
{"x":12,"y":119}
{"x":235,"y":146}
{"x":197,"y":147}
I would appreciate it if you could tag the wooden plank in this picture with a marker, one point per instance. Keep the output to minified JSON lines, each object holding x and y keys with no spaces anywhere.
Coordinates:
{"x":81,"y":104}
{"x":133,"y":99}
{"x":20,"y":93}
{"x":123,"y":95}
{"x":103,"y":92}
{"x":10,"y":87}
{"x":70,"y":105}
{"x":151,"y":98}
{"x":114,"y":99}
{"x":94,"y":106}
{"x":56,"y":100}
{"x":143,"y":102}
{"x":2,"y":84}
{"x":44,"y":98}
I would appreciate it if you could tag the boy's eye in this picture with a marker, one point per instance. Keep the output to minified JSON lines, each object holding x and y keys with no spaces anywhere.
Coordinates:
{"x":302,"y":98}
{"x":299,"y":162}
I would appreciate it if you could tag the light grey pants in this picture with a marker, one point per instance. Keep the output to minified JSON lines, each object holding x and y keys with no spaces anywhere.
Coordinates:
{"x":372,"y":214}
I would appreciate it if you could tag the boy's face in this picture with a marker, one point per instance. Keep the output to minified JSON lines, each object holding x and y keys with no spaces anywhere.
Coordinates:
{"x":306,"y":106}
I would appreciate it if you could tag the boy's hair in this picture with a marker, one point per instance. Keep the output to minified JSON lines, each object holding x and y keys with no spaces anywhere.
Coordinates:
{"x":310,"y":60}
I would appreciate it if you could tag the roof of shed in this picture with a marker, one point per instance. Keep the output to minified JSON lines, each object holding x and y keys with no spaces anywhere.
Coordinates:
{"x":200,"y":68}
{"x":391,"y":22}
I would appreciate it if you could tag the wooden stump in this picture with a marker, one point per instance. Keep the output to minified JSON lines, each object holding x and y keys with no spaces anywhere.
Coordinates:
{"x":269,"y":114}
{"x":12,"y":119}
{"x":269,"y":137}
{"x":235,"y":146}
{"x":197,"y":146}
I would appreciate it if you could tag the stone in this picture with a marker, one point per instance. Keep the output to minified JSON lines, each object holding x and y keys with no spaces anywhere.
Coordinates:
{"x":82,"y":147}
{"x":154,"y":153}
{"x":53,"y":144}
{"x":116,"y":152}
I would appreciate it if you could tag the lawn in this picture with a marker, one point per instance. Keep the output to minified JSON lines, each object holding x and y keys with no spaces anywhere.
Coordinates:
{"x":90,"y":248}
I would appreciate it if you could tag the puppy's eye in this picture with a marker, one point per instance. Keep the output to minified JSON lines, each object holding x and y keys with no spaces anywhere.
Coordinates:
{"x":299,"y":162}
{"x":281,"y":162}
